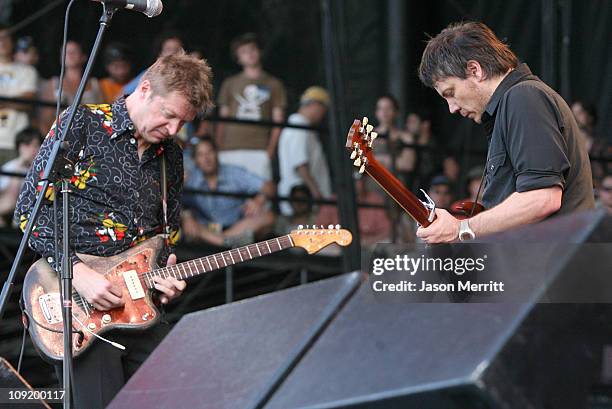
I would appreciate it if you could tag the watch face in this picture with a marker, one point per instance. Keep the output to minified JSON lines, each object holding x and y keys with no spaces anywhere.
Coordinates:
{"x":466,"y":235}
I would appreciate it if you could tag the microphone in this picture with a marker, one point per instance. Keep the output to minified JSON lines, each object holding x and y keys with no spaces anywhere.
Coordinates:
{"x":149,"y":8}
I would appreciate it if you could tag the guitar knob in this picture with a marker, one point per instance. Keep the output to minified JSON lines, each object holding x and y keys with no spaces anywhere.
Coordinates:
{"x":91,"y":326}
{"x":106,"y":318}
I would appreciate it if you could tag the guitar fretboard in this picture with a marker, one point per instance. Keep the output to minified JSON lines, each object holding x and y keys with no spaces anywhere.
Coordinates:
{"x":216,"y":261}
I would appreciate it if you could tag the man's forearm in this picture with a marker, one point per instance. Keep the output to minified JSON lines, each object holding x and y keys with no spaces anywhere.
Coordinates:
{"x":274,"y":137}
{"x":278,"y":116}
{"x":268,"y":190}
{"x":309,"y":180}
{"x":517,"y":210}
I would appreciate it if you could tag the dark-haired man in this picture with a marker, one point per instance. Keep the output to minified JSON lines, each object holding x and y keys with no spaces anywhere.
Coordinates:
{"x":537,"y":166}
{"x":223,"y":220}
{"x":253,"y":95}
{"x":118,"y":64}
{"x":27,"y":143}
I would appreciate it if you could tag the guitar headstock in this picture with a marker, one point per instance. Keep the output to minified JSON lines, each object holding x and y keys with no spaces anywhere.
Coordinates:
{"x":359,"y":141}
{"x":314,"y":239}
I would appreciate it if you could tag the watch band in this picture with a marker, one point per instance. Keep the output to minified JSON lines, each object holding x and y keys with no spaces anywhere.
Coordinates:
{"x":465,"y":232}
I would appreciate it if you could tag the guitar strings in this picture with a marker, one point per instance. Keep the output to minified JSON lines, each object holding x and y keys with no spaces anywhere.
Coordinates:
{"x":241,"y":254}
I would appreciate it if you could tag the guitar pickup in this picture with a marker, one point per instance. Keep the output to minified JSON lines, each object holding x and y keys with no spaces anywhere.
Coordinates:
{"x":133,"y":284}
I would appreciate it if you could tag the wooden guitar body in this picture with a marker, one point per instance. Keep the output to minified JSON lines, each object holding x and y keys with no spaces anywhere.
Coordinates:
{"x":41,"y":293}
{"x":134,"y":271}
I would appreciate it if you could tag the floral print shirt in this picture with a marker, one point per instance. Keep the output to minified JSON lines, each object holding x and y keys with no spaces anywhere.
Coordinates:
{"x":116,"y":196}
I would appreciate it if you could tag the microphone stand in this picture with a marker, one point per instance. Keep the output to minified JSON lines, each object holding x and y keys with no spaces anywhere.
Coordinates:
{"x":60,"y":167}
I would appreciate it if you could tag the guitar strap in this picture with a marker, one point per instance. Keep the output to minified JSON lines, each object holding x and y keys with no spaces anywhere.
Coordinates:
{"x":482,"y":179}
{"x":164,"y":199}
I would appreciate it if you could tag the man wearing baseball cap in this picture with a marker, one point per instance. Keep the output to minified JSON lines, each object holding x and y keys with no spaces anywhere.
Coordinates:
{"x":300,"y":154}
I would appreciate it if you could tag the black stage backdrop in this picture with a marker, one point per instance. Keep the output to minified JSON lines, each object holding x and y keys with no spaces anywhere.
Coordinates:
{"x":291,"y":35}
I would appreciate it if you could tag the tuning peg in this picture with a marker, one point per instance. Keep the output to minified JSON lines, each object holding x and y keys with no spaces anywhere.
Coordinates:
{"x":358,"y":155}
{"x":300,"y":227}
{"x":372,"y":137}
{"x":331,"y":226}
{"x":354,"y":154}
{"x":369,"y":128}
{"x":337,"y":227}
{"x":363,"y":165}
{"x":364,"y":121}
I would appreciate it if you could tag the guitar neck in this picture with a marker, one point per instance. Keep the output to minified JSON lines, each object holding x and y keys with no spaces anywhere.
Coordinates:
{"x":405,"y":198}
{"x":216,"y":261}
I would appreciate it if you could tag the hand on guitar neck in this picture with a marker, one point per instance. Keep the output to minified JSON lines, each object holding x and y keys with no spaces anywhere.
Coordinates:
{"x":437,"y":225}
{"x":444,"y":229}
{"x":104,"y":295}
{"x":170,"y":287}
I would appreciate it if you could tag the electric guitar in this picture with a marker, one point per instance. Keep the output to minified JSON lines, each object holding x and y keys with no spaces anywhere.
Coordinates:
{"x":133,"y":270}
{"x":359,"y":142}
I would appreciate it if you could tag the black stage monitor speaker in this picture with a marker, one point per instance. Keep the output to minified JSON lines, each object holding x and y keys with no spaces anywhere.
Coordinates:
{"x":325,"y":345}
{"x":11,"y":381}
{"x":226,"y":356}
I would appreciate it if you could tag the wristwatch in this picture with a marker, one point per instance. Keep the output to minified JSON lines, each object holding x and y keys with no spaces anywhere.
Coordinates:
{"x":465,"y":233}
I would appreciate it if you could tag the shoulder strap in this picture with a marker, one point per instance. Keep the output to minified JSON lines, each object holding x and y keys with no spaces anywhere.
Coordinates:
{"x":164,"y":199}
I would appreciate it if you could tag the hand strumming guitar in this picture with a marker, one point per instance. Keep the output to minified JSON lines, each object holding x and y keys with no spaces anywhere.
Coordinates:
{"x":103,"y":295}
{"x":96,"y":289}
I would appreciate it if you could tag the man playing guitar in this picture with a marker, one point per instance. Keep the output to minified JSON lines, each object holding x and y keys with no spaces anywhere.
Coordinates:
{"x":119,"y":152}
{"x":537,"y":165}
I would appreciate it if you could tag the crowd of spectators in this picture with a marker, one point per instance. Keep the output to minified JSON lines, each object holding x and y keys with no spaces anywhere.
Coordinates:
{"x":234,"y":171}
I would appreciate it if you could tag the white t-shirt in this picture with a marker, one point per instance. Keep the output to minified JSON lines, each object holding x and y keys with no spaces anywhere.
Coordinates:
{"x":297,"y":147}
{"x":15,"y":79}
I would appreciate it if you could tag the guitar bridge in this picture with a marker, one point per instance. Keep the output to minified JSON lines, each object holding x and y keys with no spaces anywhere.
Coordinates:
{"x":50,"y":306}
